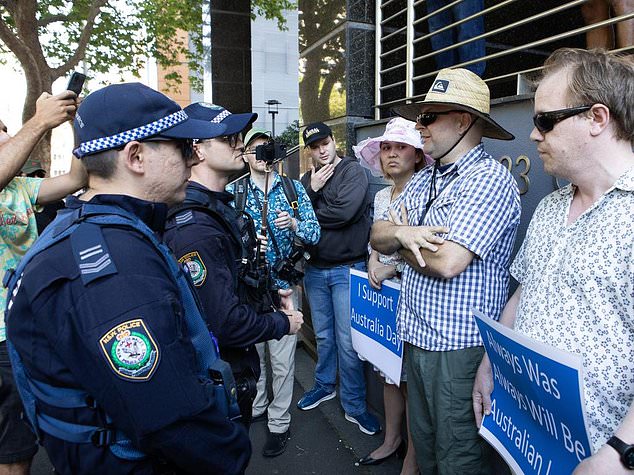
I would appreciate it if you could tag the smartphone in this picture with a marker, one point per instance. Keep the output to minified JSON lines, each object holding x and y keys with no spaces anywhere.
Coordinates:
{"x":76,"y":82}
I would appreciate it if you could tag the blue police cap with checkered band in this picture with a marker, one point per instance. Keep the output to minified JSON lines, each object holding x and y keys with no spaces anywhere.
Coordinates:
{"x":117,"y":114}
{"x":219,"y":115}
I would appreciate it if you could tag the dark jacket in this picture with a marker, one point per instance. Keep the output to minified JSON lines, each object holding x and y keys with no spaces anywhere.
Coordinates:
{"x":57,"y":324}
{"x":211,"y":249}
{"x":342,"y":207}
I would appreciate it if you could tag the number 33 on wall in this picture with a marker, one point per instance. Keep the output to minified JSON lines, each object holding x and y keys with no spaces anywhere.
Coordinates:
{"x":524,"y":180}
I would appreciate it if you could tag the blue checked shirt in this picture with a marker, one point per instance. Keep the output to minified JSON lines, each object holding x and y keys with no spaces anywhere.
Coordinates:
{"x":479,"y":202}
{"x":308,"y":229}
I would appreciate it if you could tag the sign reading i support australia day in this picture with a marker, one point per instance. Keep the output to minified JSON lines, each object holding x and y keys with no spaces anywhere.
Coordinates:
{"x":537,"y":420}
{"x":373,"y":321}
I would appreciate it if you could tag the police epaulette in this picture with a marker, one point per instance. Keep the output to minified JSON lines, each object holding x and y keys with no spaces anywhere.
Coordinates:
{"x":185,"y":217}
{"x":91,"y":253}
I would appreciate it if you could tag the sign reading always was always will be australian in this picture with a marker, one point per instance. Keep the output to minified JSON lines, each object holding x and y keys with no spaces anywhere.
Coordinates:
{"x":537,"y":420}
{"x":373,"y":321}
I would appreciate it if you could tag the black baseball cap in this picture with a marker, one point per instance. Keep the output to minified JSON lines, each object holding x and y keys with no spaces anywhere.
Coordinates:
{"x":315,"y":131}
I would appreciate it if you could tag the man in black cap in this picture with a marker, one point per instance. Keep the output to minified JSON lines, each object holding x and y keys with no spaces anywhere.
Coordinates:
{"x":219,"y":247}
{"x":338,"y":189}
{"x":116,"y":367}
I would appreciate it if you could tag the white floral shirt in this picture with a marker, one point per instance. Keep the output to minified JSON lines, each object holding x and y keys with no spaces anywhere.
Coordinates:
{"x":578,"y":294}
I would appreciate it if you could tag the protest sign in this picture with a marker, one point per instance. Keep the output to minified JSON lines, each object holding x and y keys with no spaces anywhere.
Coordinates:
{"x":537,"y":420}
{"x":373,"y":321}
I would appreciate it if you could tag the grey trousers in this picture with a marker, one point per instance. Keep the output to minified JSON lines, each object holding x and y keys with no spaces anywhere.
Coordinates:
{"x":282,"y":354}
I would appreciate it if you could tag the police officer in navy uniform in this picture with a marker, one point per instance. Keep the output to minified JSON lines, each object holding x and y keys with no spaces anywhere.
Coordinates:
{"x":217,"y":243}
{"x":103,"y":327}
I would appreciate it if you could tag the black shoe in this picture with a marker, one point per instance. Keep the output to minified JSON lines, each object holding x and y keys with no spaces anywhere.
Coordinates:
{"x":400,"y":452}
{"x":275,"y":443}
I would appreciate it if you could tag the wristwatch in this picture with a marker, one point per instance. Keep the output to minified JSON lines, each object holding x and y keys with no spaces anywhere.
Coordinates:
{"x":625,"y":450}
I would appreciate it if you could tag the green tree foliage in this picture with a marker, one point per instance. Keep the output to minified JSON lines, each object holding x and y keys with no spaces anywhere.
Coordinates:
{"x":50,"y":38}
{"x":290,"y":136}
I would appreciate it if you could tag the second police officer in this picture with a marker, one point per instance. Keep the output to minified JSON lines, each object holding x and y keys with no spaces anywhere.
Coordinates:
{"x":219,"y":246}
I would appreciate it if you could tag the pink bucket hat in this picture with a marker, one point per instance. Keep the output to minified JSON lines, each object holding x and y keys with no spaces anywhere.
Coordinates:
{"x":397,"y":130}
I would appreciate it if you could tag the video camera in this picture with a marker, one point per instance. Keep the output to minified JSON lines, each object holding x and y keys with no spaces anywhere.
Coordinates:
{"x":287,"y":270}
{"x":270,"y":152}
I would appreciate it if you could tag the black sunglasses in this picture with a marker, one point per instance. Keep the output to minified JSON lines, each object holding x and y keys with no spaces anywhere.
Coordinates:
{"x":428,"y":118}
{"x":186,"y":146}
{"x":546,"y":121}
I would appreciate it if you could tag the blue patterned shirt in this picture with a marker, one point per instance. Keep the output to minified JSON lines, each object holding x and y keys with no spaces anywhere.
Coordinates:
{"x":308,"y":229}
{"x":479,"y":202}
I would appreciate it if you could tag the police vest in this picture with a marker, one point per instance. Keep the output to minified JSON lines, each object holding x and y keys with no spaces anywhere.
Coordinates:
{"x":84,"y":225}
{"x":255,"y":278}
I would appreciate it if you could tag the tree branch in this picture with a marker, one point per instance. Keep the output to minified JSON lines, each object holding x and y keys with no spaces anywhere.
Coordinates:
{"x":45,"y":21}
{"x":82,"y":44}
{"x":14,"y":43}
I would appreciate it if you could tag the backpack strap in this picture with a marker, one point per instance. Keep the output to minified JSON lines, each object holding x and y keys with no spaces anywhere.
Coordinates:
{"x":291,"y":194}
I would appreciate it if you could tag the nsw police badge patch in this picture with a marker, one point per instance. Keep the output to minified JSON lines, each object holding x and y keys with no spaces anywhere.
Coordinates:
{"x":130,"y":350}
{"x":195,"y":266}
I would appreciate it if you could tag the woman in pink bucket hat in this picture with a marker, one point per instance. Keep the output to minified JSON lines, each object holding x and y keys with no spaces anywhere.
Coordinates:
{"x":396,"y":155}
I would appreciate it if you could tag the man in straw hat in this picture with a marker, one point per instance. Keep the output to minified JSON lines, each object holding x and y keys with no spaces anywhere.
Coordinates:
{"x":575,"y":265}
{"x":455,"y":225}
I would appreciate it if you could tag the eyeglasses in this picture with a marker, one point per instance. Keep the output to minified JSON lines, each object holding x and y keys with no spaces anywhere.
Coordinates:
{"x":428,"y":118}
{"x":232,"y":139}
{"x":546,"y":121}
{"x":186,"y":146}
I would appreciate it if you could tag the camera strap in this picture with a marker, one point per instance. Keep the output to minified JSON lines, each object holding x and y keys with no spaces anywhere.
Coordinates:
{"x":271,"y":236}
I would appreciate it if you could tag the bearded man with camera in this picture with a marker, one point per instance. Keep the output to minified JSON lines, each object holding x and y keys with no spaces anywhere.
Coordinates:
{"x":280,"y":207}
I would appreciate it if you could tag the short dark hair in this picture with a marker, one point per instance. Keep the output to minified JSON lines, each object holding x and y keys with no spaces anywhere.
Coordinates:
{"x":102,"y":164}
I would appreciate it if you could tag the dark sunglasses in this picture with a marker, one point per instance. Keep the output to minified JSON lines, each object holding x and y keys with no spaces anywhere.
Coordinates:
{"x":428,"y":118}
{"x":546,"y":121}
{"x":186,"y":146}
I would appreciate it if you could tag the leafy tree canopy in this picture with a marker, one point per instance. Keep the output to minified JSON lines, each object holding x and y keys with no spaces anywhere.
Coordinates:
{"x":50,"y":37}
{"x":290,"y":135}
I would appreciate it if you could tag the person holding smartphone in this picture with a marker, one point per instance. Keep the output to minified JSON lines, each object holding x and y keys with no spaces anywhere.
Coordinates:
{"x":19,"y":197}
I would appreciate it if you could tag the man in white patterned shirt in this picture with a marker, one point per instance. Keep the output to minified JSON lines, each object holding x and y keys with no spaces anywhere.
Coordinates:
{"x":455,"y":225}
{"x":576,"y":265}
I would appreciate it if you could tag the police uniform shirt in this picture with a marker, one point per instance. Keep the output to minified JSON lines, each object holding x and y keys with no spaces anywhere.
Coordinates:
{"x":123,"y":339}
{"x":208,"y":248}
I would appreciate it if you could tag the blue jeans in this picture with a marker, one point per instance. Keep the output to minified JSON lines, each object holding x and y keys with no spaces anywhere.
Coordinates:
{"x":328,"y":293}
{"x":464,"y":31}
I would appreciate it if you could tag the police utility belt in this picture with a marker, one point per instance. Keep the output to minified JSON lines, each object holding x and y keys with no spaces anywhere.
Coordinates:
{"x":84,"y":225}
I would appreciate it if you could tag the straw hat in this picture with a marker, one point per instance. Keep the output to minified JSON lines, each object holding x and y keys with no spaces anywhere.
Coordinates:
{"x":464,"y":90}
{"x":397,"y":130}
